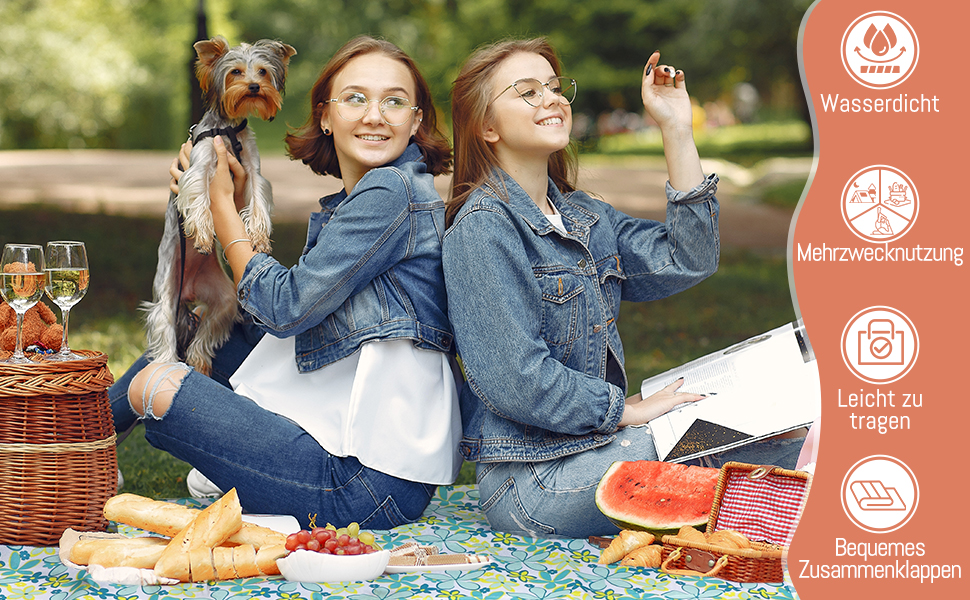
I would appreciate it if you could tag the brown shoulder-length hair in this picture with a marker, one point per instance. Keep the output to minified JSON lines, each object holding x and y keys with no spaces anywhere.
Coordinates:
{"x":470,"y":111}
{"x":309,"y":144}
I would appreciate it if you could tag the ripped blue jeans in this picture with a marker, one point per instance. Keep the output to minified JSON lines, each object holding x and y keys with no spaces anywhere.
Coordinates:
{"x":557,"y":497}
{"x":275,"y":466}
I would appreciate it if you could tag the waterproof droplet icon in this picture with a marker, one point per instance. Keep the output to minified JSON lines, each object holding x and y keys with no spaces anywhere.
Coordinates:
{"x":880,"y":50}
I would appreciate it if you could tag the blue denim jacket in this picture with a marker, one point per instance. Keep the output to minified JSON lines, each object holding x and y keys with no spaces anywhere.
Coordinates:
{"x":371,"y":269}
{"x":534,"y":311}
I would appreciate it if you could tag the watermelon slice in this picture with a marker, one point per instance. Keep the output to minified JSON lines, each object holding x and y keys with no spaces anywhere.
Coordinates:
{"x":656,"y":496}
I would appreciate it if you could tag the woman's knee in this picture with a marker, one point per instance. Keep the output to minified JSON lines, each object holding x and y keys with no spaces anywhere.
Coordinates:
{"x":152,"y":390}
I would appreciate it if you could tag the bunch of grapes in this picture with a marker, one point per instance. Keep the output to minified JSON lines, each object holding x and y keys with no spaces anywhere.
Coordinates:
{"x":348,"y":540}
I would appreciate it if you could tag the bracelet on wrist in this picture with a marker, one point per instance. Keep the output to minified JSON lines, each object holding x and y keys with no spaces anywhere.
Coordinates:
{"x":226,"y":247}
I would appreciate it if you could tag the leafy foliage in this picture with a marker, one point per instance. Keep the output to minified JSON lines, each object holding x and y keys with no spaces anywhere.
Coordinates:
{"x":79,"y":73}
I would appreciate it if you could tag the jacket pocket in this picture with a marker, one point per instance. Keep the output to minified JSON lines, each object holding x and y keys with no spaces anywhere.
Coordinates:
{"x":563,"y":312}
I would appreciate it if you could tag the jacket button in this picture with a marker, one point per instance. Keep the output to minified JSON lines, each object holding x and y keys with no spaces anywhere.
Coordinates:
{"x":597,"y":328}
{"x":582,"y":263}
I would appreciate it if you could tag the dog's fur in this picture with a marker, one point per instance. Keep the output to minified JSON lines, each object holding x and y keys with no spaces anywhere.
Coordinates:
{"x":236,"y":82}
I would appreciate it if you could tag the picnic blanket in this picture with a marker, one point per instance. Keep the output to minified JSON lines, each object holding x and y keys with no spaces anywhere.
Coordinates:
{"x":522,"y":568}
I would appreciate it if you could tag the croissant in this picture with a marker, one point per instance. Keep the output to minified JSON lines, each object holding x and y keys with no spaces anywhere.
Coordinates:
{"x":728,"y":538}
{"x":623,"y":544}
{"x":691,"y":534}
{"x":644,"y":556}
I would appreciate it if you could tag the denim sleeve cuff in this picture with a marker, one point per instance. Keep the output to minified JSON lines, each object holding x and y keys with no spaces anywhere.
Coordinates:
{"x":615,"y":411}
{"x":254,"y":268}
{"x":702,"y":192}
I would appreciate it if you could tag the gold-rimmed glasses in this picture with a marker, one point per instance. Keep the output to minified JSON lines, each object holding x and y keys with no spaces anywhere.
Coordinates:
{"x":530,"y":90}
{"x":352,"y":106}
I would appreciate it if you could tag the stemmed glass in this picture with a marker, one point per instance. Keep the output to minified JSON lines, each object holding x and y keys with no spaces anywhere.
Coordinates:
{"x":67,"y":282}
{"x":22,"y":286}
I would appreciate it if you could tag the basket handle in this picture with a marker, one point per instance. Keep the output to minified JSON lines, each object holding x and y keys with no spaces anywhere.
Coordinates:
{"x":721,"y":562}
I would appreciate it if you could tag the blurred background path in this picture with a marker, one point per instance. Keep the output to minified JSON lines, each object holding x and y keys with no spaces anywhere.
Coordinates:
{"x":135,"y":183}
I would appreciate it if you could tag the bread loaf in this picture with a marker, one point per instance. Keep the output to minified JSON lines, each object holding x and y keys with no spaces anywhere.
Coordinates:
{"x":84,"y":549}
{"x":266,"y":558}
{"x":209,"y":529}
{"x":169,"y":519}
{"x":200,"y":564}
{"x":222,"y":560}
{"x":119,"y":555}
{"x":244,"y":561}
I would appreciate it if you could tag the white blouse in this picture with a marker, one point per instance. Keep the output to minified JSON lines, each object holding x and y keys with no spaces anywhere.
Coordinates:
{"x":391,"y":405}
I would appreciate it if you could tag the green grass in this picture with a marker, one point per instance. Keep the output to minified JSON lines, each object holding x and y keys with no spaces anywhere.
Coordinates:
{"x":741,"y":144}
{"x":748,"y":295}
{"x":786,"y":194}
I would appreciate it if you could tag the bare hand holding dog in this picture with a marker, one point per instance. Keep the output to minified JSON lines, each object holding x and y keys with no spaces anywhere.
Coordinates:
{"x":180,"y":164}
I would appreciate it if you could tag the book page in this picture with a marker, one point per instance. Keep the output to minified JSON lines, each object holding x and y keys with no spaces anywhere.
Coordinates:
{"x":761,"y":387}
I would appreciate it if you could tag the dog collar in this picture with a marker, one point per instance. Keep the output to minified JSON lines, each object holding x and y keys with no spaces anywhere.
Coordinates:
{"x":229,"y":132}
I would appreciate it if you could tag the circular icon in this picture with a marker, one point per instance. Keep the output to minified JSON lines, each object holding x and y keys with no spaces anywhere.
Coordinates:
{"x":880,"y":50}
{"x":880,"y":203}
{"x":880,"y":344}
{"x":880,"y":494}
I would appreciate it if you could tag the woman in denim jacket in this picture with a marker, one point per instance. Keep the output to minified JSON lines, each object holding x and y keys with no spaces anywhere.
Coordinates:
{"x":348,"y":408}
{"x":535,"y":273}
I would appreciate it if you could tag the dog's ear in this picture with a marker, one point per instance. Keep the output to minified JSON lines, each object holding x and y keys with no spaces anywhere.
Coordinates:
{"x":285,"y":51}
{"x":281,"y":50}
{"x":209,"y":52}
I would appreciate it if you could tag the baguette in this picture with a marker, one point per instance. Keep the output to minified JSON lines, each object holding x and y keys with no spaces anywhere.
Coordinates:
{"x":138,"y":558}
{"x":169,"y":519}
{"x":200,"y":562}
{"x":266,"y":558}
{"x":84,"y":549}
{"x":209,"y":529}
{"x":244,"y":561}
{"x":165,"y":518}
{"x":222,"y":560}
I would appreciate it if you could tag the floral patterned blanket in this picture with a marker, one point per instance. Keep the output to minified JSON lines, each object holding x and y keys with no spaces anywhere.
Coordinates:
{"x":521,"y":568}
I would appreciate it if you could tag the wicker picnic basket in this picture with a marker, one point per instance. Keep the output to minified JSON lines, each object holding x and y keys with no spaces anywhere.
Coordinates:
{"x":762,"y":502}
{"x":57,"y":449}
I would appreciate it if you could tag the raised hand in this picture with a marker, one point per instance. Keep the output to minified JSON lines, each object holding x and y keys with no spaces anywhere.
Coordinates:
{"x":664,"y":93}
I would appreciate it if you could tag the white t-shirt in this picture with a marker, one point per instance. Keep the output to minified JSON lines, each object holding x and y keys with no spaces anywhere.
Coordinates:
{"x":556,"y":219}
{"x":391,"y":405}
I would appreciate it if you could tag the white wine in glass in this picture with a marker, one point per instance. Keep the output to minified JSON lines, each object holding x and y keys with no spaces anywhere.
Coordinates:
{"x":21,"y":285}
{"x":67,"y":282}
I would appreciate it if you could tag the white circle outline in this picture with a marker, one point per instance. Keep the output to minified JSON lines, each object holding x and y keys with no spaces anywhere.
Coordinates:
{"x":856,"y":232}
{"x":912,"y":362}
{"x":892,"y":459}
{"x":912,"y":67}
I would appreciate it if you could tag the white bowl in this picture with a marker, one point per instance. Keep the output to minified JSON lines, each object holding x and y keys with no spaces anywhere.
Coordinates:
{"x":313,"y":567}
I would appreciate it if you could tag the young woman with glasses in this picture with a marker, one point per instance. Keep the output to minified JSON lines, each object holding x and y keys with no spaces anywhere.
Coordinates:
{"x":347,"y":409}
{"x":535,"y":271}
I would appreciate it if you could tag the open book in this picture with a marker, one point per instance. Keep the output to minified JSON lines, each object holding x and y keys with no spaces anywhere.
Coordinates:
{"x":758,"y":388}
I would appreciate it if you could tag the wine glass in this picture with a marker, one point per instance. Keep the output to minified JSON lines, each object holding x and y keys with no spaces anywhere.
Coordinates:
{"x":22,"y":286}
{"x":67,"y":282}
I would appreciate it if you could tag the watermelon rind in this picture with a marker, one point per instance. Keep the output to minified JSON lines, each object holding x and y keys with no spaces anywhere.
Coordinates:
{"x":657,"y":497}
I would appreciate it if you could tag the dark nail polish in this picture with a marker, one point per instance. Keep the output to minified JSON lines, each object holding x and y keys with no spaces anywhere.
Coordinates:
{"x":649,"y":68}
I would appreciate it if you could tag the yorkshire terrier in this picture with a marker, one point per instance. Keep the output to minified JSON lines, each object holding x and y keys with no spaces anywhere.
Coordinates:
{"x":194,"y":306}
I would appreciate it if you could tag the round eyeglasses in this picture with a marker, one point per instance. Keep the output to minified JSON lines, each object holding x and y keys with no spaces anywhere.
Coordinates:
{"x":395,"y":110}
{"x":530,"y":90}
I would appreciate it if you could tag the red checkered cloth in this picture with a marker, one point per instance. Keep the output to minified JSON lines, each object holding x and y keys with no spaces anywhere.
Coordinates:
{"x":764,"y":510}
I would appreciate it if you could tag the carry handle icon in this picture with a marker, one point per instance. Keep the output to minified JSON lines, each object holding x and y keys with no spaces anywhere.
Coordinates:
{"x":881,"y":344}
{"x":892,"y":328}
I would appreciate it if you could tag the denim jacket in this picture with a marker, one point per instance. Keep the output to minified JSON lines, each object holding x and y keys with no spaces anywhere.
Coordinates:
{"x":371,"y":270}
{"x":534,"y":311}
